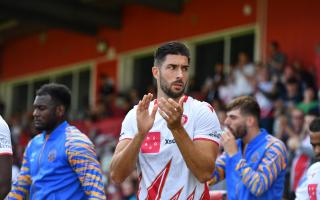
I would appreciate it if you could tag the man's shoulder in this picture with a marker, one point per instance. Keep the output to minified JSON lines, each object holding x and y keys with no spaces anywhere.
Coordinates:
{"x":4,"y":128}
{"x":74,"y":135}
{"x":35,"y":142}
{"x":198,"y":105}
{"x":275,"y":144}
{"x":315,"y":167}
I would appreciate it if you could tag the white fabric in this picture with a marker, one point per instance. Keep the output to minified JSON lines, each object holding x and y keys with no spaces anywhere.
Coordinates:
{"x":241,"y":85}
{"x":200,"y":122}
{"x":5,"y":138}
{"x":310,"y":187}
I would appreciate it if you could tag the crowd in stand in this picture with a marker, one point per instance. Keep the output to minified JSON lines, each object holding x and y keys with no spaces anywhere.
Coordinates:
{"x":286,"y":93}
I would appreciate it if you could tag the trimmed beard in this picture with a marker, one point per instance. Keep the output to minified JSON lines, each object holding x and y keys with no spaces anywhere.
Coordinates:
{"x":165,"y":87}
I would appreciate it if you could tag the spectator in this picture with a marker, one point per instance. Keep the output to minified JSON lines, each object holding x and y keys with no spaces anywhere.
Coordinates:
{"x":254,"y":162}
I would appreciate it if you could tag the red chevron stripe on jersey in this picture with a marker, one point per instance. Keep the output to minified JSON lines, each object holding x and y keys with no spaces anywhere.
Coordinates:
{"x":155,"y":189}
{"x":177,"y":195}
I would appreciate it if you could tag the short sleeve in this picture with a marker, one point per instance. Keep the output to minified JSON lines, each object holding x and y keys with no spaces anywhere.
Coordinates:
{"x":5,"y":138}
{"x":129,"y":125}
{"x":207,"y":124}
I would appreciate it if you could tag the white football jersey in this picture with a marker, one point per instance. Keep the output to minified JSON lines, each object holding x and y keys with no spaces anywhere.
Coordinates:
{"x":5,"y":138}
{"x":310,"y":188}
{"x":162,"y":170}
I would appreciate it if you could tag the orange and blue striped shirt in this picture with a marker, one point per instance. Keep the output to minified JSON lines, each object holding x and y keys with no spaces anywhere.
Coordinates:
{"x":259,"y":173}
{"x":62,"y":165}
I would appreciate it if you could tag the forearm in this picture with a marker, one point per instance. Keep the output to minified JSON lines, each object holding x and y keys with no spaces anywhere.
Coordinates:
{"x":5,"y":175}
{"x":200,"y":163}
{"x":5,"y":189}
{"x":124,"y":161}
{"x":217,"y":176}
{"x":20,"y":188}
{"x":219,"y":171}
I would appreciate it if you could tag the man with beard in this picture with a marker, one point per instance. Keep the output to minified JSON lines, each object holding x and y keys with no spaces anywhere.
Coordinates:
{"x":60,"y":162}
{"x":174,"y":139}
{"x":253,"y":162}
{"x":310,"y":187}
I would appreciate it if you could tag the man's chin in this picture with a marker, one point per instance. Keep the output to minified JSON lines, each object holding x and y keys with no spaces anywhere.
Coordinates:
{"x":39,"y":128}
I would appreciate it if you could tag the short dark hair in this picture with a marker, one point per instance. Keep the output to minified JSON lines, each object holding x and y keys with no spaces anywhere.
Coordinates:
{"x":173,"y":48}
{"x":315,"y":125}
{"x":60,"y":93}
{"x":247,"y":106}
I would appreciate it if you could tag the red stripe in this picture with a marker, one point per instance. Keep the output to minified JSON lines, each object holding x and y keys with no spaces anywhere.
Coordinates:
{"x":5,"y":154}
{"x":206,"y":139}
{"x":185,"y":98}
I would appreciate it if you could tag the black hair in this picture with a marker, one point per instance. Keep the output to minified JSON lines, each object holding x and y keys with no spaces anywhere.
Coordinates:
{"x":315,"y":125}
{"x":59,"y":93}
{"x":173,"y":48}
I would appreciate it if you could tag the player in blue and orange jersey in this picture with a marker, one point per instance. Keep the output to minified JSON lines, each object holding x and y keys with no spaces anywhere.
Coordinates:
{"x":254,"y":162}
{"x":61,"y":162}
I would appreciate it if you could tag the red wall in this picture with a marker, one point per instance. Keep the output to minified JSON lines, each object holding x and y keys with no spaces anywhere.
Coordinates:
{"x":295,"y":25}
{"x":142,"y":26}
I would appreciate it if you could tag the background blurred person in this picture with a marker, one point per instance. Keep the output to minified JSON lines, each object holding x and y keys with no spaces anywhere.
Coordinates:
{"x":254,"y":162}
{"x":310,"y":188}
{"x":59,"y":163}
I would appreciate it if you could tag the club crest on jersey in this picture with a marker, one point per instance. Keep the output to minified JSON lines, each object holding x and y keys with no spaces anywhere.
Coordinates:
{"x":52,"y":155}
{"x":184,"y":119}
{"x":255,"y":157}
{"x":151,"y":143}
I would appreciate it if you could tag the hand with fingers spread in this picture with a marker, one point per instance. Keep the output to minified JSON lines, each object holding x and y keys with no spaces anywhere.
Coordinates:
{"x":145,"y":119}
{"x":229,"y":143}
{"x":172,"y":112}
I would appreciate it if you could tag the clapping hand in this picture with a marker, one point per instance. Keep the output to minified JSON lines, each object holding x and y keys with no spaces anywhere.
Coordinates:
{"x":171,"y":111}
{"x":145,"y":119}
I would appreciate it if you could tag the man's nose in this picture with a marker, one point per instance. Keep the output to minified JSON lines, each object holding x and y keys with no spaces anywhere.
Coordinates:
{"x":226,"y":121}
{"x":35,"y":112}
{"x":179,"y":73}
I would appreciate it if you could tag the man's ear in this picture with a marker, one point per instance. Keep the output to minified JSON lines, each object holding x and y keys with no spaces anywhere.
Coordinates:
{"x":60,"y":110}
{"x":250,"y":121}
{"x":155,"y":72}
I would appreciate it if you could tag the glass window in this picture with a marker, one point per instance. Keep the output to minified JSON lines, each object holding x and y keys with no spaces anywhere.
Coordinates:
{"x":207,"y":56}
{"x":243,"y":43}
{"x":84,"y":91}
{"x":66,"y":80}
{"x":19,"y":98}
{"x":142,"y":74}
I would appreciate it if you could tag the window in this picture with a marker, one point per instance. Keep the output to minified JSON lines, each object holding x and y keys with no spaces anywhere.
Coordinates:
{"x":242,"y":43}
{"x":19,"y":98}
{"x":207,"y":56}
{"x":142,"y":74}
{"x":224,"y":51}
{"x":84,"y":92}
{"x":206,"y":51}
{"x":78,"y":80}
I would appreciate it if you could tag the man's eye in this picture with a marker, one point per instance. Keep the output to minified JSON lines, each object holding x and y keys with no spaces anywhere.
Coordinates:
{"x":185,"y":69}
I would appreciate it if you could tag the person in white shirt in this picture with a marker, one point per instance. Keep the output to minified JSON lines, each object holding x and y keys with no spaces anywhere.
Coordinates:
{"x":309,"y":189}
{"x":173,"y":140}
{"x":5,"y":159}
